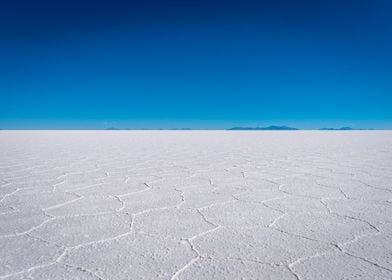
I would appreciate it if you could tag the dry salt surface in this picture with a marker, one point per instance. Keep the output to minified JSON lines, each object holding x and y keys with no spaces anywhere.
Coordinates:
{"x":195,"y":205}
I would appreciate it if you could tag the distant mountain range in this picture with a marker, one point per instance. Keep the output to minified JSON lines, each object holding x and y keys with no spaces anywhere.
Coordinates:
{"x":271,"y":127}
{"x":342,"y":128}
{"x":283,"y":127}
{"x":346,"y":128}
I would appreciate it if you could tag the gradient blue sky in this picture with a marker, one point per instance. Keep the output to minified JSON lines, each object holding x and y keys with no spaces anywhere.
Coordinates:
{"x":200,"y":64}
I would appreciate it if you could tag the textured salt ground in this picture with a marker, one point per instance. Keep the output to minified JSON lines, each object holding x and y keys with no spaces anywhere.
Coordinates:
{"x":195,"y":205}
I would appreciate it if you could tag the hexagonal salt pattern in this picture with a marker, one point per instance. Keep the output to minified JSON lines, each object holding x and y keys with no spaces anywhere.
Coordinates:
{"x":195,"y":205}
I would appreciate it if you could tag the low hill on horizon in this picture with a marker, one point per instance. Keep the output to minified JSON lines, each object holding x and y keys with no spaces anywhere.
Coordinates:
{"x":271,"y":127}
{"x":346,"y":128}
{"x":342,"y":128}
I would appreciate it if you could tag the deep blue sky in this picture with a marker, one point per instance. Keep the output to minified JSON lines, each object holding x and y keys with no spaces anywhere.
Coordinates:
{"x":199,"y":64}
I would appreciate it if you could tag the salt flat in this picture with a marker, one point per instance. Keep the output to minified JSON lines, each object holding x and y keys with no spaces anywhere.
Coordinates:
{"x":195,"y":205}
